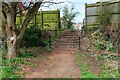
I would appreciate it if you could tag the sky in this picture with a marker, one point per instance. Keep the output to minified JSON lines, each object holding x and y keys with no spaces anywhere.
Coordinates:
{"x":78,"y":4}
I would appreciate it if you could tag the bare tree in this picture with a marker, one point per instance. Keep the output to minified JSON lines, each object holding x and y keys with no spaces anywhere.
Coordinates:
{"x":14,"y":36}
{"x":9,"y":12}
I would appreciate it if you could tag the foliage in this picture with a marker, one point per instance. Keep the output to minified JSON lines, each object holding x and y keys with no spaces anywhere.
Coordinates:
{"x":14,"y":35}
{"x":50,"y":39}
{"x":100,"y":42}
{"x":107,"y":72}
{"x":9,"y":70}
{"x":26,"y":55}
{"x":32,"y":36}
{"x":68,"y":16}
{"x":86,"y":73}
{"x":12,"y":68}
{"x":48,"y":46}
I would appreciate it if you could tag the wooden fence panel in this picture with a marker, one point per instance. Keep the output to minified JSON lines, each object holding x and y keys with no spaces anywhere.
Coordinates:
{"x":114,"y":8}
{"x":45,"y":19}
{"x":92,"y":20}
{"x":102,"y":14}
{"x":95,"y":13}
{"x":92,"y":10}
{"x":114,"y":18}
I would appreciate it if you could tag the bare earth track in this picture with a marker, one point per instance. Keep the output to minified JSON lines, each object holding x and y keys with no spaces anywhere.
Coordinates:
{"x":59,"y":63}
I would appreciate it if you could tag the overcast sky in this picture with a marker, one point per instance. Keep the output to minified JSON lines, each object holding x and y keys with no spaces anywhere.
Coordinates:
{"x":78,"y":4}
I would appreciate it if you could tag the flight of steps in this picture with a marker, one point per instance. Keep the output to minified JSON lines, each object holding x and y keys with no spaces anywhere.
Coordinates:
{"x":67,"y":39}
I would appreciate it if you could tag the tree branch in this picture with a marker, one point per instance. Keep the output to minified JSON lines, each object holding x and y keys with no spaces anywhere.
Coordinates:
{"x":14,"y":10}
{"x":30,"y":14}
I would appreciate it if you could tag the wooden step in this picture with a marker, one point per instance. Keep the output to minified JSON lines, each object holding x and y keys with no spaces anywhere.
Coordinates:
{"x":67,"y":39}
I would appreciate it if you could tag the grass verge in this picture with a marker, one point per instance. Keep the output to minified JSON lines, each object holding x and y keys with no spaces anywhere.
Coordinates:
{"x":86,"y":73}
{"x":13,"y":68}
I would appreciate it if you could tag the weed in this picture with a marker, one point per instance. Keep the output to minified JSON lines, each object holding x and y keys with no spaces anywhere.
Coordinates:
{"x":86,"y":73}
{"x":26,"y":55}
{"x":108,"y":72}
{"x":101,"y":57}
{"x":12,"y":68}
{"x":100,"y":43}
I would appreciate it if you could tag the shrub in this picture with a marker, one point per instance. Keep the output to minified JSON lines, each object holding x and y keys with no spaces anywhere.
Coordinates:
{"x":32,"y":36}
{"x":13,"y":68}
{"x":100,"y":43}
{"x":10,"y":68}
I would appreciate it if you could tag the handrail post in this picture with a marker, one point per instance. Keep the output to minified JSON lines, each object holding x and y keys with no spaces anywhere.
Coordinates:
{"x":50,"y":41}
{"x":79,"y":42}
{"x":79,"y":34}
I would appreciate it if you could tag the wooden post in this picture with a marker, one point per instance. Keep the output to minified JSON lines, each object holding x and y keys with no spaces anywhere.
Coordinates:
{"x":41,"y":19}
{"x":79,"y":41}
{"x":58,"y":12}
{"x":50,"y":41}
{"x":85,"y":16}
{"x":101,"y":17}
{"x":83,"y":28}
{"x":1,"y":32}
{"x":58,"y":28}
{"x":119,"y":35}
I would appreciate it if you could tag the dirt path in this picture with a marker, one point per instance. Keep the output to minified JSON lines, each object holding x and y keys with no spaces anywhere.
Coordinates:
{"x":63,"y":63}
{"x":59,"y":63}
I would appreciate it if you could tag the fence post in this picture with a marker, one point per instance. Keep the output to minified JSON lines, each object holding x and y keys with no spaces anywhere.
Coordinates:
{"x":119,"y":32}
{"x":79,"y":42}
{"x":58,"y":12}
{"x":1,"y":32}
{"x":83,"y":27}
{"x":101,"y":17}
{"x":50,"y":41}
{"x":55,"y":33}
{"x":85,"y":16}
{"x":41,"y":18}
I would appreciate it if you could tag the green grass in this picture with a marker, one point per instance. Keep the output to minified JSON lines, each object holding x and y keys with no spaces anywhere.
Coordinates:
{"x":101,"y":57}
{"x":86,"y":73}
{"x":12,"y":68}
{"x":26,"y":55}
{"x":107,"y":72}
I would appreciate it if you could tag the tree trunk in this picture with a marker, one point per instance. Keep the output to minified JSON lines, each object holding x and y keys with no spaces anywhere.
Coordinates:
{"x":11,"y":36}
{"x":9,"y":18}
{"x":11,"y":50}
